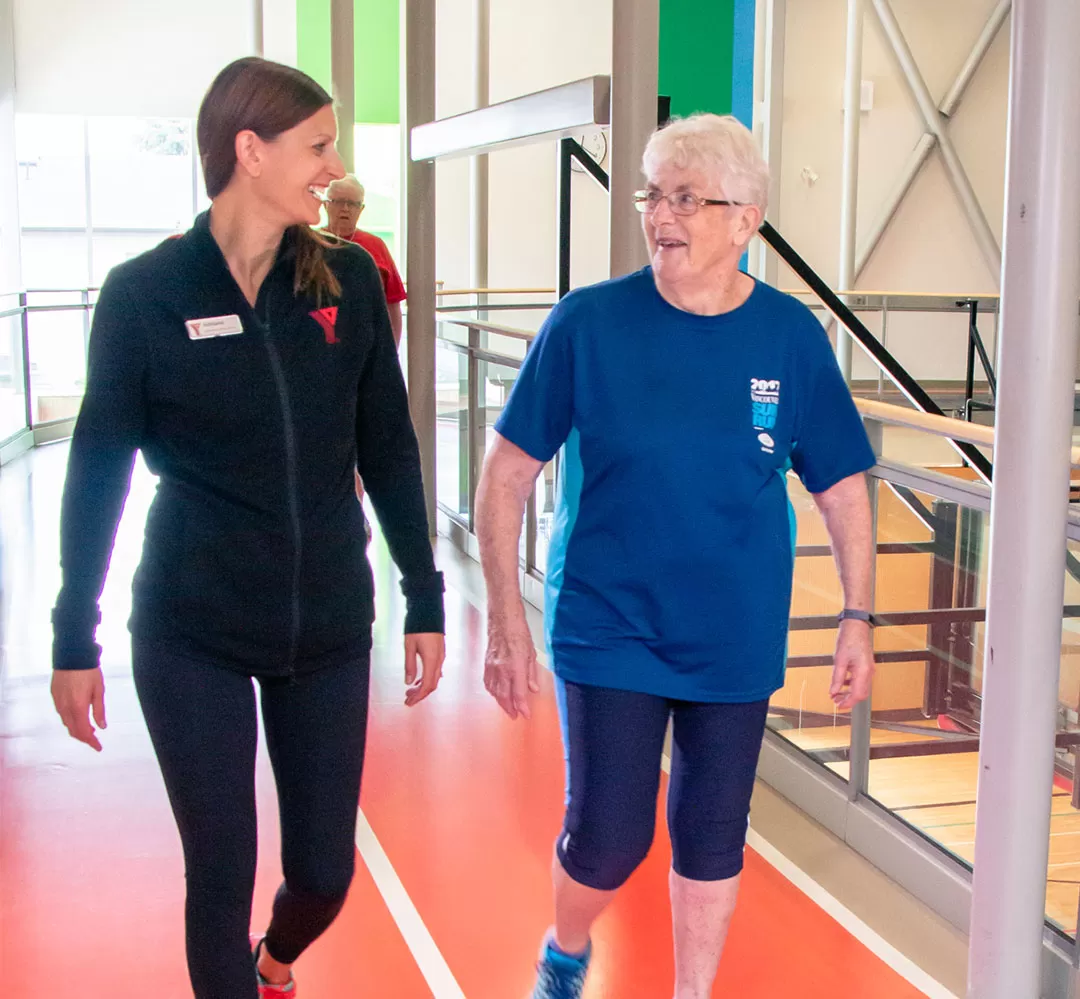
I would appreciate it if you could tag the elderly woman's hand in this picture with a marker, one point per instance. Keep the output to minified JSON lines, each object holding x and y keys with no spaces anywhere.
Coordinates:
{"x":510,"y":668}
{"x":854,"y":665}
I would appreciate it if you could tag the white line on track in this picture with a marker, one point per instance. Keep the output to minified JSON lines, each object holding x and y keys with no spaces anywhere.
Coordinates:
{"x":869,"y":938}
{"x":432,"y":964}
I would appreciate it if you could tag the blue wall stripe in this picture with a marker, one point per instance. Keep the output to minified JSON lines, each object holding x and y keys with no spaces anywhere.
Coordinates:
{"x":742,"y":62}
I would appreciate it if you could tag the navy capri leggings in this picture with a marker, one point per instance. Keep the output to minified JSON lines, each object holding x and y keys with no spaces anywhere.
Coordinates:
{"x":614,"y":742}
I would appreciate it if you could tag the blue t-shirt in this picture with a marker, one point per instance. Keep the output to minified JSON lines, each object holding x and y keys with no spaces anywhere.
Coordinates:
{"x":671,"y":559}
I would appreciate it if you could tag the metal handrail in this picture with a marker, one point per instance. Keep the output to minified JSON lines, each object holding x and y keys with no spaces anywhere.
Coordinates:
{"x":495,"y":307}
{"x":495,"y":291}
{"x":883,"y":412}
{"x":513,"y":332}
{"x":919,"y":301}
{"x":439,"y":291}
{"x":939,"y":426}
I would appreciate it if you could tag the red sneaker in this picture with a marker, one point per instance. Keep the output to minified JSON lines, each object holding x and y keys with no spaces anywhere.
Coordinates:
{"x":268,"y":990}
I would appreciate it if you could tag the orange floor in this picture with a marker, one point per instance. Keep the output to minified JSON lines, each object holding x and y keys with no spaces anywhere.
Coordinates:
{"x":465,"y":803}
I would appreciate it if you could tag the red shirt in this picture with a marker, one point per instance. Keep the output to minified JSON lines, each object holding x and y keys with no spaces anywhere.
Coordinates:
{"x":391,"y":279}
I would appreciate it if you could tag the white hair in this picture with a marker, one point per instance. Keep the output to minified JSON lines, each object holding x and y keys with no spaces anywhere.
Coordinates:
{"x":349,"y":181}
{"x":719,"y":146}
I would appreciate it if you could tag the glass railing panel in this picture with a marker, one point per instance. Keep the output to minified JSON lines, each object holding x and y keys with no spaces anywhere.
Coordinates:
{"x":12,"y":391}
{"x":466,"y":417}
{"x":1063,"y":872}
{"x":545,"y":514}
{"x":452,"y":431}
{"x":802,"y":710}
{"x":506,"y":346}
{"x":57,"y":363}
{"x":918,"y":537}
{"x":496,"y":382}
{"x":529,"y":320}
{"x":454,"y":333}
{"x":921,"y":450}
{"x":927,"y":693}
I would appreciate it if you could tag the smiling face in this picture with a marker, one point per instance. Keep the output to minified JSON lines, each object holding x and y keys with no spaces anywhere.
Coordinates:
{"x":699,"y":248}
{"x":290,"y":174}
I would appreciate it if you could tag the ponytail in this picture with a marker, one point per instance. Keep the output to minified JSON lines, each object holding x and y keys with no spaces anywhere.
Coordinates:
{"x":313,"y":275}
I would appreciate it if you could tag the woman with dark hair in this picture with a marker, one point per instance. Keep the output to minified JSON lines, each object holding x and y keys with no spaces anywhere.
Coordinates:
{"x":251,"y":361}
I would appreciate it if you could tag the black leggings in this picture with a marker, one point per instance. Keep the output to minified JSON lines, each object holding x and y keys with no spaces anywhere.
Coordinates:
{"x":204,"y":728}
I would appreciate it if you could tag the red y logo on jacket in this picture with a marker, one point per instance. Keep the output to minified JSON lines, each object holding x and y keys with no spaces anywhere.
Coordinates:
{"x":327,"y":319}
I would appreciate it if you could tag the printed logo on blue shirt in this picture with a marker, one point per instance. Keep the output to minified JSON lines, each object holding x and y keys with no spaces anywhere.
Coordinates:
{"x":765,"y":402}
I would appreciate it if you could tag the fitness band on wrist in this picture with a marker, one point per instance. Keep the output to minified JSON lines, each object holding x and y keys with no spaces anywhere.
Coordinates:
{"x":847,"y":614}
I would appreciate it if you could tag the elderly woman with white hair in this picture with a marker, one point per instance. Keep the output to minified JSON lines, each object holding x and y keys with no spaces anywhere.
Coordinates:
{"x":681,"y":396}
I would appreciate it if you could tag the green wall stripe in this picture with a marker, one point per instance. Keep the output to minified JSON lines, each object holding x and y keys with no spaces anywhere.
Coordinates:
{"x":377,"y":45}
{"x":696,"y":49}
{"x":313,"y":40}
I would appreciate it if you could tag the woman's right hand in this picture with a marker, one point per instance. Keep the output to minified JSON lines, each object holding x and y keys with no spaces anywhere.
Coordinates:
{"x":77,"y":693}
{"x":510,"y":668}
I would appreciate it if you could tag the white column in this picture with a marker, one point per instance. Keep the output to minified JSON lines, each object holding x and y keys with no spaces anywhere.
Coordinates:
{"x":343,"y":75}
{"x":849,"y":171}
{"x":258,"y":27}
{"x":635,"y":60}
{"x":420,"y":239}
{"x":478,"y":174}
{"x":1040,"y":290}
{"x":769,"y":119}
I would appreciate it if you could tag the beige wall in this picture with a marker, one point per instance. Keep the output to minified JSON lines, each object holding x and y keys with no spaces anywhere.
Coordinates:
{"x":929,"y":246}
{"x":533,"y":46}
{"x":125,"y":57}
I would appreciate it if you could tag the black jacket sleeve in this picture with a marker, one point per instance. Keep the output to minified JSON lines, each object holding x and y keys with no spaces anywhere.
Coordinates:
{"x":388,"y":459}
{"x":107,"y":435}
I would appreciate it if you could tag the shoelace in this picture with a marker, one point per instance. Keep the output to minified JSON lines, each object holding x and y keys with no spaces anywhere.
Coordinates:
{"x":553,"y":985}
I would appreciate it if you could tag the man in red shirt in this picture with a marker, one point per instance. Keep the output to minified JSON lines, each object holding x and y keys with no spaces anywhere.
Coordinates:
{"x":345,"y":203}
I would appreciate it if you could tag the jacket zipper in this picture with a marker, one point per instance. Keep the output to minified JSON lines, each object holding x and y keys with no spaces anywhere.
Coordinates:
{"x":291,"y":485}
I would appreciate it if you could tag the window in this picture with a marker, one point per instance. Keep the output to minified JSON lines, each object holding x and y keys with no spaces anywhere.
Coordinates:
{"x":141,"y":173}
{"x":94,"y":192}
{"x":51,"y":154}
{"x":377,"y":152}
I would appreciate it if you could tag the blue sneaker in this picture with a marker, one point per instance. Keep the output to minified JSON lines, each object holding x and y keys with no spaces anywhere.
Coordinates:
{"x":559,"y":975}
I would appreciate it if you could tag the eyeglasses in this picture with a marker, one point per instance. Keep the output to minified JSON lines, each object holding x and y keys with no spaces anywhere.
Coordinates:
{"x":680,"y":202}
{"x":344,"y":203}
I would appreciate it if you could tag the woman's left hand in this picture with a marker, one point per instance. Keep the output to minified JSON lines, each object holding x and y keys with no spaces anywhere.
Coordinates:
{"x":430,"y":648}
{"x":854,"y":667}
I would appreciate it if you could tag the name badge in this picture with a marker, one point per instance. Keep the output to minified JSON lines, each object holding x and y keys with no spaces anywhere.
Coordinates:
{"x":204,"y":329}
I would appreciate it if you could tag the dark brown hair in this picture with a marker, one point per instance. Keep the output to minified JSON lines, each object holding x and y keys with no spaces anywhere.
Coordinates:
{"x":266,"y":98}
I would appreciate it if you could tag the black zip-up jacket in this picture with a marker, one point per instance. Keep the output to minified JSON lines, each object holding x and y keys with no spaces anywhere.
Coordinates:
{"x":254,"y":553}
